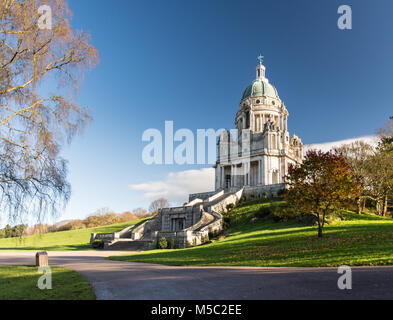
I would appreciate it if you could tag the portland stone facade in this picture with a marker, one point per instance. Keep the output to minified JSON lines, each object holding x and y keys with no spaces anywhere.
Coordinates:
{"x":258,"y":153}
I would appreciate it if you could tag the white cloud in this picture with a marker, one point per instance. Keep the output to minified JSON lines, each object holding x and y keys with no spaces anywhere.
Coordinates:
{"x":326,"y":146}
{"x":177,"y":185}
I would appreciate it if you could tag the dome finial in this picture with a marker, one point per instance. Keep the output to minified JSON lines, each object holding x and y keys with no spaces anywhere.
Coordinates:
{"x":260,"y":68}
{"x":260,"y":59}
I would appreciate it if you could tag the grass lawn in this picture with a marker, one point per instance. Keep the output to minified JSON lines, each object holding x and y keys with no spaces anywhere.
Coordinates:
{"x":59,"y":241}
{"x":20,"y":283}
{"x":364,"y":239}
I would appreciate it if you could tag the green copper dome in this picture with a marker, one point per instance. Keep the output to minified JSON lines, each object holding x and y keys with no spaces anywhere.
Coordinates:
{"x":260,"y":87}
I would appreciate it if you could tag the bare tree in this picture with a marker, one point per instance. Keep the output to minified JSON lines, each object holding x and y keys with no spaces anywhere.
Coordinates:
{"x":139,"y":212}
{"x":384,"y":158}
{"x":358,"y":155}
{"x":34,"y":124}
{"x":374,"y":166}
{"x":158,"y":204}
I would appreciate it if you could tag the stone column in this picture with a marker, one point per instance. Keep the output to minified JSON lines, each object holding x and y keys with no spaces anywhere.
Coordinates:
{"x":244,"y":165}
{"x":219,"y":177}
{"x":249,"y":173}
{"x":264,"y":182}
{"x":232,"y":175}
{"x":256,"y":119}
{"x":223,"y":177}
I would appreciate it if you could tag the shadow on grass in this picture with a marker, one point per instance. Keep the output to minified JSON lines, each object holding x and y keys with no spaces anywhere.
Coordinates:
{"x":268,"y":245}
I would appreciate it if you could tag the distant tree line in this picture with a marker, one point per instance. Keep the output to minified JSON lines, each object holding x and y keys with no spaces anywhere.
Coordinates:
{"x":13,"y":232}
{"x":101,"y":217}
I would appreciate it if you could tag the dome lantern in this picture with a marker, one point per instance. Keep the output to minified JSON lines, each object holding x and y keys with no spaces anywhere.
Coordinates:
{"x":261,"y":85}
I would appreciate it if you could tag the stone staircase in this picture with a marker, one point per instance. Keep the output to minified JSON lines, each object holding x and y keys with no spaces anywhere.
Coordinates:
{"x":128,"y":244}
{"x":145,"y":235}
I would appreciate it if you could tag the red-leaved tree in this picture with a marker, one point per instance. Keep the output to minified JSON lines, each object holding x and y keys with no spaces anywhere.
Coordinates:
{"x":323,"y":183}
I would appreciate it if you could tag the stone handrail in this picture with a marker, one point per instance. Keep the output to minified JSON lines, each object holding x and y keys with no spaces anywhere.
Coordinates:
{"x":137,"y":233}
{"x":123,"y":233}
{"x":216,"y":196}
{"x":203,"y":195}
{"x":205,"y":219}
{"x":194,"y":202}
{"x":217,"y":222}
{"x":175,"y":209}
{"x":105,"y":236}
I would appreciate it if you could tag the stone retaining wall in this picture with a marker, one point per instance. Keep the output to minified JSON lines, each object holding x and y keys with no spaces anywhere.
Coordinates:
{"x":205,"y":219}
{"x":258,"y":191}
{"x":203,"y":195}
{"x":215,"y":227}
{"x":184,"y":239}
{"x":221,"y":206}
{"x":191,"y":216}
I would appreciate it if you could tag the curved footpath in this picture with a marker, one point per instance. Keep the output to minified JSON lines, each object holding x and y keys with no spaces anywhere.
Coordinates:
{"x":136,"y":281}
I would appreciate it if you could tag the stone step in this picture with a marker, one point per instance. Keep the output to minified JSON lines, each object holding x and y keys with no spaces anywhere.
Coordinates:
{"x":130,"y":245}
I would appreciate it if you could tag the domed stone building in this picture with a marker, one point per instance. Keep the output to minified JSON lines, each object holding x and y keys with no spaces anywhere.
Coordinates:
{"x":259,"y":155}
{"x":253,"y":163}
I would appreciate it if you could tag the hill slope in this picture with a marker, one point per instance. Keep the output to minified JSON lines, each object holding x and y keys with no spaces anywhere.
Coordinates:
{"x":60,"y":241}
{"x":359,"y":240}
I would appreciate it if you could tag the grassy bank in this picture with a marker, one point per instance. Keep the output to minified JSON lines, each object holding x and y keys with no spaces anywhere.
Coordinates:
{"x":59,"y":241}
{"x":356,"y":240}
{"x":20,"y":283}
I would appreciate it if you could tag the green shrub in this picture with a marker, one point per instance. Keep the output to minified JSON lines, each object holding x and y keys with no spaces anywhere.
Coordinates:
{"x":308,"y":218}
{"x":279,"y":212}
{"x":162,"y":244}
{"x":230,"y":206}
{"x":281,"y":193}
{"x":226,"y":222}
{"x":263,"y":212}
{"x":98,"y":244}
{"x":265,"y":195}
{"x":213,"y":234}
{"x":173,"y":243}
{"x":284,"y":213}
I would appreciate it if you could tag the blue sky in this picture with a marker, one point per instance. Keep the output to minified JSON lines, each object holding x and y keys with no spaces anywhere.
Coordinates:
{"x":190,"y":61}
